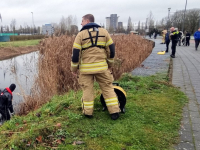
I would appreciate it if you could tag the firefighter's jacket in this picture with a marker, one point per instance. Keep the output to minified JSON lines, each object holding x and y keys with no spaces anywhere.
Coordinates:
{"x":174,"y":36}
{"x":93,"y":50}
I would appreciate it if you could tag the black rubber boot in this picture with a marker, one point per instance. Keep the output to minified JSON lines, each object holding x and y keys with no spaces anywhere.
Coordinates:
{"x":114,"y":116}
{"x":89,"y":116}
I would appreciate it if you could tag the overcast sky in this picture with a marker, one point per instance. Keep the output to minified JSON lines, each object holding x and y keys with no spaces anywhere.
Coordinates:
{"x":51,"y":11}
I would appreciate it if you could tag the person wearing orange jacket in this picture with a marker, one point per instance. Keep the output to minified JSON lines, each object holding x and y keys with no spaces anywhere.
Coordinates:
{"x":93,"y":55}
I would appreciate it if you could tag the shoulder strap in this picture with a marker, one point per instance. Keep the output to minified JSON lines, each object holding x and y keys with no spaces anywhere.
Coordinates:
{"x":91,"y":38}
{"x":96,"y":38}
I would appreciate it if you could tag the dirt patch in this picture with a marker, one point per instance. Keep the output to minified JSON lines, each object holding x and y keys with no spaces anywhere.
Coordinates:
{"x":170,"y":71}
{"x":9,"y":52}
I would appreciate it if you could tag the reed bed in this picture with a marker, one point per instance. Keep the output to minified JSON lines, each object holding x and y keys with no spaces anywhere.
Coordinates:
{"x":54,"y":75}
{"x":26,"y":37}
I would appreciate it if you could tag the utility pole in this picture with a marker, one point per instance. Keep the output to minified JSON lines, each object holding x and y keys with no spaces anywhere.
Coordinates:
{"x":184,"y":23}
{"x":146,"y":27}
{"x":33,"y":22}
{"x":168,"y":18}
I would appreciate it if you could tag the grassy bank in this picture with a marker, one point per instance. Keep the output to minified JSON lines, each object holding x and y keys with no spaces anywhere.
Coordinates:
{"x":20,"y":43}
{"x":151,"y":121}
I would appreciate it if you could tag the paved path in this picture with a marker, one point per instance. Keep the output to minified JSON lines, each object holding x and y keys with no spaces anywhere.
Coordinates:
{"x":186,"y":75}
{"x":154,"y":63}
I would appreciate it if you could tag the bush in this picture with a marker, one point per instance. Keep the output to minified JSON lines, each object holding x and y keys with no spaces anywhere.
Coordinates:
{"x":25,"y":37}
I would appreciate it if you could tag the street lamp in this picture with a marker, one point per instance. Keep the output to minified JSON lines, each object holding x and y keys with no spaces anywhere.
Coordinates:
{"x":184,"y":21}
{"x":146,"y":27}
{"x":33,"y":22}
{"x":168,"y":18}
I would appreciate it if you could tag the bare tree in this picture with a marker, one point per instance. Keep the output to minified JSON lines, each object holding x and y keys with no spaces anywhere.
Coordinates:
{"x":150,"y":21}
{"x":192,"y":18}
{"x":7,"y":28}
{"x":12,"y":25}
{"x":67,"y":25}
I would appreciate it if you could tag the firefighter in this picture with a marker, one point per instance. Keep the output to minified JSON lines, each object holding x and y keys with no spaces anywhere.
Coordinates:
{"x":6,"y":102}
{"x":93,"y":55}
{"x":174,"y":38}
{"x":187,"y":38}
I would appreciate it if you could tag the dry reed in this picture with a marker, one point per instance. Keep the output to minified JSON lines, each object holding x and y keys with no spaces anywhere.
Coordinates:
{"x":54,"y":76}
{"x":25,"y":37}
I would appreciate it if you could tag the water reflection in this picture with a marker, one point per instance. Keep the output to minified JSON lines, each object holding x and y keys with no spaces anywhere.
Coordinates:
{"x":20,"y":70}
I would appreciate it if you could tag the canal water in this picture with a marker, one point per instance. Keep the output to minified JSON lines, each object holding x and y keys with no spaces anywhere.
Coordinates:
{"x":20,"y":70}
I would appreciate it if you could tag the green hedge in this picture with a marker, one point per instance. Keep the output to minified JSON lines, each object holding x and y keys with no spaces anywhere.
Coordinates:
{"x":25,"y":37}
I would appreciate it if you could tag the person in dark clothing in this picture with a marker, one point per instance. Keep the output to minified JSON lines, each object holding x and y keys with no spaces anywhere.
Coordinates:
{"x":150,"y":35}
{"x":6,"y":102}
{"x":167,"y":41}
{"x":155,"y":35}
{"x":179,"y":37}
{"x":174,"y":38}
{"x":187,"y":38}
{"x":197,"y":38}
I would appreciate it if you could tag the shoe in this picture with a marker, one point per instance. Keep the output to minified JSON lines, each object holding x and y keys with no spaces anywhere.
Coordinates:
{"x":172,"y":56}
{"x":196,"y":49}
{"x":114,"y":116}
{"x":89,"y":116}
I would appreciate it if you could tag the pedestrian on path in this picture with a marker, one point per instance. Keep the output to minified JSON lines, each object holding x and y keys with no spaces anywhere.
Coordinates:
{"x":187,"y":38}
{"x":197,"y":38}
{"x":167,"y":40}
{"x":179,"y":36}
{"x":174,"y":38}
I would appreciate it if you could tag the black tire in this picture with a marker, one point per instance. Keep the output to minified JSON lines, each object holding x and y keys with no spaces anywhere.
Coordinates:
{"x":121,"y":98}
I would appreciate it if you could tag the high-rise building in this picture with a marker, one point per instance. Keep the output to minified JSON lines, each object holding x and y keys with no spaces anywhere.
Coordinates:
{"x":112,"y":22}
{"x":120,"y":25}
{"x":47,"y":29}
{"x":129,"y":26}
{"x":107,"y":23}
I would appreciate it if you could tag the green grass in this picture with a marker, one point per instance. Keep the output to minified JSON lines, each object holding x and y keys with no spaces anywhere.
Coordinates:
{"x":151,"y":121}
{"x":20,"y":43}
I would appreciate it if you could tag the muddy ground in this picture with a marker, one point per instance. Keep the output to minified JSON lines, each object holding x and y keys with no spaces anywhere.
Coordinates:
{"x":9,"y":52}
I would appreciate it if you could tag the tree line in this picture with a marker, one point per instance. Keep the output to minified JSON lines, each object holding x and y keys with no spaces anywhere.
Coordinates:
{"x":67,"y":25}
{"x":191,"y":21}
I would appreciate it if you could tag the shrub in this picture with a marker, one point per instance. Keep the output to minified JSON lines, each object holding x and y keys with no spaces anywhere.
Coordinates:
{"x":25,"y":37}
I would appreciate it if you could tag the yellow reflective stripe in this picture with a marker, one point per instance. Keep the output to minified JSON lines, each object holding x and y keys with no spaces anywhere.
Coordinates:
{"x":109,"y":42}
{"x":89,"y":44}
{"x":93,"y":69}
{"x":111,"y":101}
{"x":91,"y":102}
{"x":101,"y":43}
{"x":77,"y":46}
{"x":74,"y":64}
{"x":88,"y":104}
{"x":111,"y":104}
{"x":110,"y":60}
{"x":89,"y":65}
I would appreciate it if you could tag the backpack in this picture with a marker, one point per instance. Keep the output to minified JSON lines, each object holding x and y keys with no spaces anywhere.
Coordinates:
{"x":3,"y":99}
